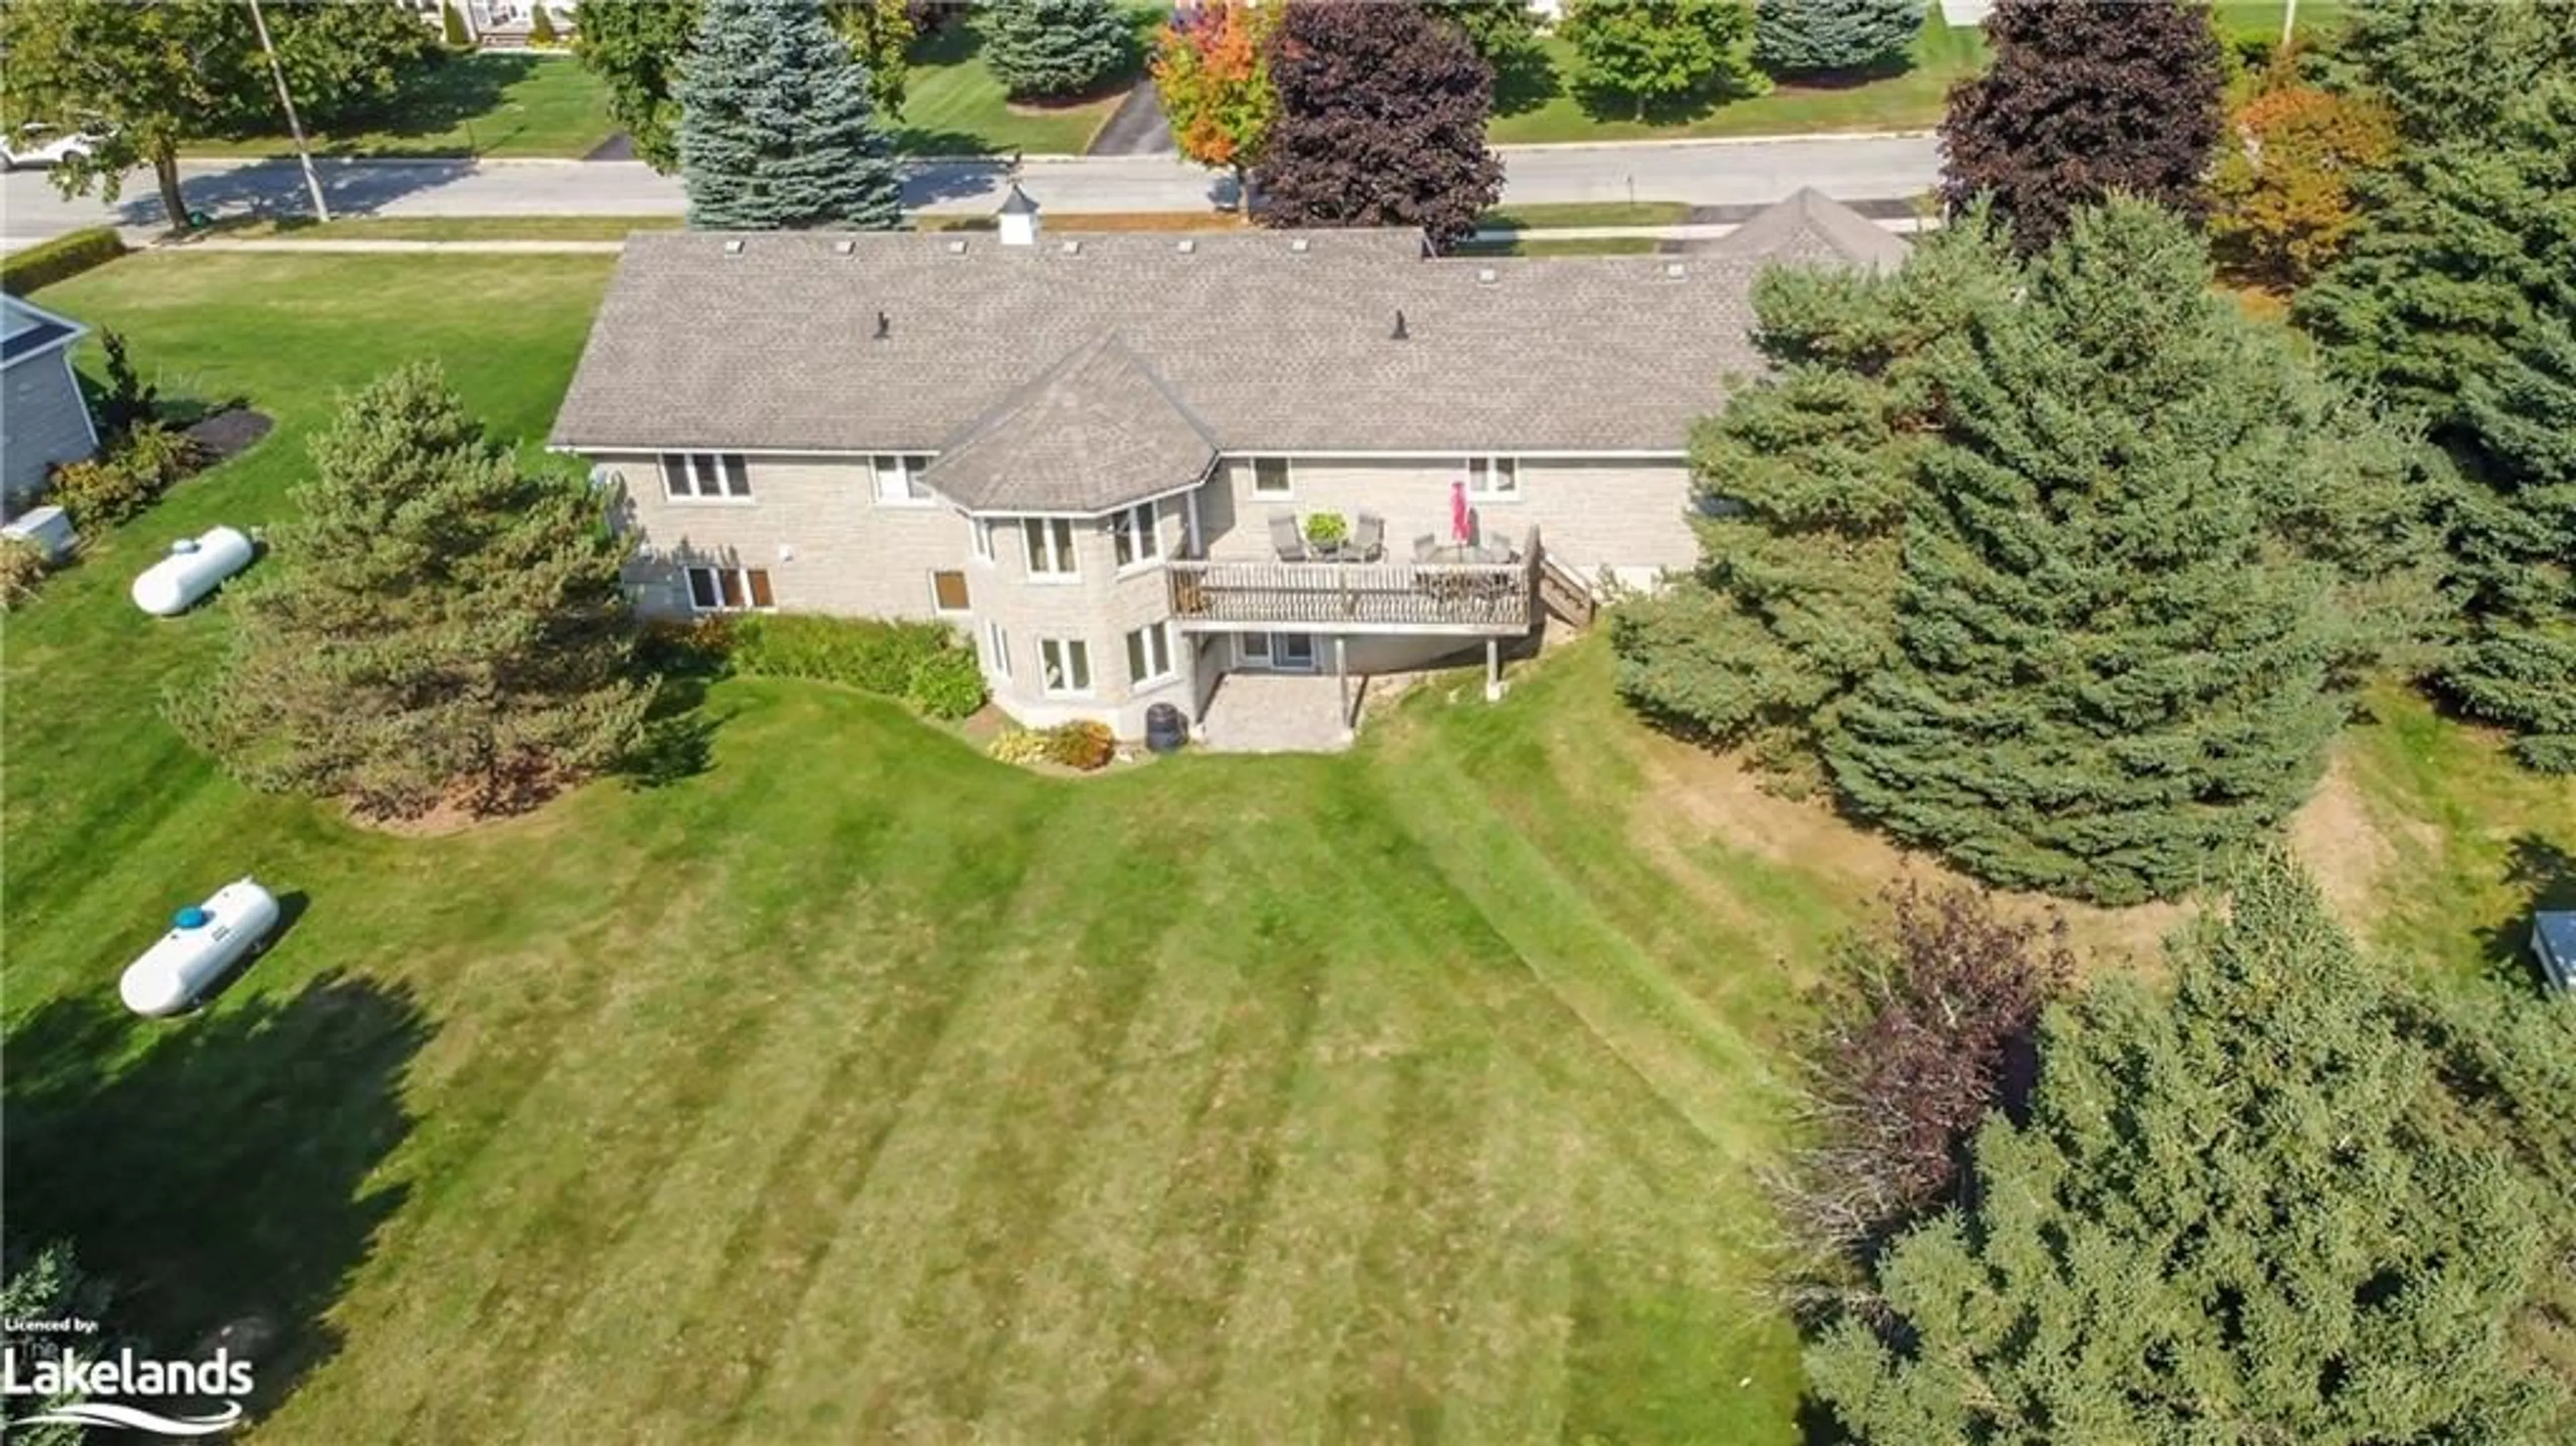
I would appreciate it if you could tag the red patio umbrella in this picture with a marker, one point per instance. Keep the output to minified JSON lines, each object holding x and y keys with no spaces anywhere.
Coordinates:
{"x":1462,"y":522}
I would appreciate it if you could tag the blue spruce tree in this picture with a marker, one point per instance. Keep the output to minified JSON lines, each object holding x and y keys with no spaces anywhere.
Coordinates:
{"x":777,"y":130}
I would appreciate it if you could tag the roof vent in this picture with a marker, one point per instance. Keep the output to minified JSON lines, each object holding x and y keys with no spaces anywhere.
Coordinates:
{"x":844,"y":248}
{"x":1487,"y":276}
{"x":1185,"y":246}
{"x":1298,"y":245}
{"x":1072,"y":248}
{"x":1400,"y":334}
{"x":885,"y":326}
{"x":733,"y":247}
{"x":1019,"y":218}
{"x":956,"y":248}
{"x":1672,"y":271}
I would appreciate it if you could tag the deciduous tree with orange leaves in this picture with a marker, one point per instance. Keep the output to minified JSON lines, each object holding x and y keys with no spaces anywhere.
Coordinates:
{"x":1211,"y":66}
{"x":2281,"y":201}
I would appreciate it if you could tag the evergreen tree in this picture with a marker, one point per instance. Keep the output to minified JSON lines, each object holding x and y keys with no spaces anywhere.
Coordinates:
{"x":436,"y":622}
{"x":1381,"y":122}
{"x":777,"y":127}
{"x":1804,"y":483}
{"x":1799,"y":37}
{"x":2083,"y":100}
{"x":2109,"y":668}
{"x":2453,"y":298}
{"x":2231,"y":1218}
{"x":1655,"y":53}
{"x":1054,"y":48}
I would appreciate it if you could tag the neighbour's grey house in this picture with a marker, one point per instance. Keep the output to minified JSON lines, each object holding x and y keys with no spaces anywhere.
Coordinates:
{"x":43,"y":420}
{"x":1105,"y":457}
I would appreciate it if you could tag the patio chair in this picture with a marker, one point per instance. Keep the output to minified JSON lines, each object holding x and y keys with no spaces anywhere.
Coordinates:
{"x":1286,"y":538}
{"x":1368,"y":538}
{"x":1425,"y":545}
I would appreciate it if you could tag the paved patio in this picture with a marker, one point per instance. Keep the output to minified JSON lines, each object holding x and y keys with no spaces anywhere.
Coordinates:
{"x":1276,"y":713}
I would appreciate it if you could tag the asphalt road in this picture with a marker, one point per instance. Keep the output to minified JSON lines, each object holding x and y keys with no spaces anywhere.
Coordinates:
{"x":1702,"y":173}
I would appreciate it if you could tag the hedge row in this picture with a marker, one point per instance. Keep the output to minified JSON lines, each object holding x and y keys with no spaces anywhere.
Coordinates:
{"x":924,"y":664}
{"x":60,"y":259}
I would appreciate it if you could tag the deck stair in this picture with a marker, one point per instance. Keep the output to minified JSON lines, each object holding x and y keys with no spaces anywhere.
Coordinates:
{"x":1560,"y":590}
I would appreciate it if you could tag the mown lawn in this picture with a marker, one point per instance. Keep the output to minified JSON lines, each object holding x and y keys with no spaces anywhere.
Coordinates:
{"x":858,"y":1086}
{"x":954,"y":106}
{"x":1543,"y":104}
{"x":491,"y":103}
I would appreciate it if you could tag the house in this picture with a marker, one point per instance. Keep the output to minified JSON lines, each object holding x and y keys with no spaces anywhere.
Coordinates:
{"x":1098,"y":454}
{"x":43,"y":420}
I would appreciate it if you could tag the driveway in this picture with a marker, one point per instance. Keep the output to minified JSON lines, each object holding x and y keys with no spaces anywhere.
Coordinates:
{"x":1702,"y":173}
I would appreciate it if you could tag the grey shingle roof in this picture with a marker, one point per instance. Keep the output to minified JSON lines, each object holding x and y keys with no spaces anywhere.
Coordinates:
{"x":1094,"y":431}
{"x":1267,"y":341}
{"x":1812,"y":226}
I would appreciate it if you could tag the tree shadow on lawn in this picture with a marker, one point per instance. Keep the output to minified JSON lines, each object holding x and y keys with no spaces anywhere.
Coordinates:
{"x":451,"y":92}
{"x":218,"y":1180}
{"x":1525,"y":82}
{"x":2543,"y":875}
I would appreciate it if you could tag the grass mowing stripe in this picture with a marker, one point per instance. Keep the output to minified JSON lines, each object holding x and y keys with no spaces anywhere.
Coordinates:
{"x":956,"y":1325}
{"x":1050,"y":1372}
{"x":1501,"y":1369}
{"x":1227,"y":1164}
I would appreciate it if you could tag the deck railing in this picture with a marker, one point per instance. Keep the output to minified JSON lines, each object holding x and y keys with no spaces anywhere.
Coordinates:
{"x":1466,"y":597}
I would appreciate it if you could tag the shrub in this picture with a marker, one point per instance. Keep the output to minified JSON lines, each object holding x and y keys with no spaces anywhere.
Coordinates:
{"x":541,"y":26}
{"x":1018,"y":745}
{"x":100,"y":493}
{"x":1085,"y":745}
{"x":128,"y":401}
{"x":159,"y":455}
{"x":686,"y":647}
{"x":921,"y":663}
{"x":60,"y":259}
{"x":947,"y":684}
{"x":22,"y":566}
{"x":1052,"y":48}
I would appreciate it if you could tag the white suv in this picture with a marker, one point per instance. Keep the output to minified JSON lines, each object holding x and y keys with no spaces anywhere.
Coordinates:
{"x":38,"y":144}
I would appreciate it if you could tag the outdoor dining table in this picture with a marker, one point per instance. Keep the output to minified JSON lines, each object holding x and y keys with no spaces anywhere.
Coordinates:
{"x":1470,"y":552}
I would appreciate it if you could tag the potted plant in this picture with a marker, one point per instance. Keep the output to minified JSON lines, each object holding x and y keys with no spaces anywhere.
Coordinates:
{"x":1327,"y":529}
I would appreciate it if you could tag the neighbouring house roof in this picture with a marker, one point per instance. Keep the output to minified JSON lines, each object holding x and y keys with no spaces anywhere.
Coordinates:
{"x":28,"y":330}
{"x":1812,"y":226}
{"x":1257,"y":341}
{"x":1095,"y":430}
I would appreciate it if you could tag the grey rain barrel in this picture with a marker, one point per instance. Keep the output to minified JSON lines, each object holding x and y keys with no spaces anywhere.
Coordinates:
{"x":1165,"y":729}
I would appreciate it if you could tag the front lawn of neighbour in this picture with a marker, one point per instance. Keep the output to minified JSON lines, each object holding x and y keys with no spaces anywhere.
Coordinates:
{"x":490,"y":103}
{"x":954,"y":106}
{"x":1541,"y":106}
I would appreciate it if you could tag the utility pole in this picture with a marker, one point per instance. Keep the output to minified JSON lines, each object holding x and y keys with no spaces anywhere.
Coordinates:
{"x":303,"y":157}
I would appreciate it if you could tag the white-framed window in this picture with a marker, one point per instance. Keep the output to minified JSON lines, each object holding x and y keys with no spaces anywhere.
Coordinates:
{"x":997,"y":649}
{"x":1066,"y":666}
{"x":1270,"y":477}
{"x":1149,"y":654}
{"x":700,"y":475}
{"x":1050,"y":542}
{"x":1494,"y":479}
{"x":729,"y":589}
{"x":979,"y":536}
{"x":1137,"y":533}
{"x":898,"y":478}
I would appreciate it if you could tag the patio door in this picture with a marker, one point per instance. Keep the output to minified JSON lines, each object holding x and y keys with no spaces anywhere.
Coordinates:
{"x":1275,"y":652}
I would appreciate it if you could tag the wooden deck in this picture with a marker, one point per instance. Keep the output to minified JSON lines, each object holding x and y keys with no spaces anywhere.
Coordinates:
{"x":1470,"y":599}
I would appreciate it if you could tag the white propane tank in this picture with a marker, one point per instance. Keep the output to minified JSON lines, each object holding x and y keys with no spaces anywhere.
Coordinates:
{"x":192,"y":569}
{"x":202,"y":943}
